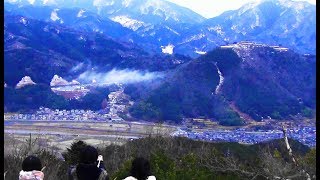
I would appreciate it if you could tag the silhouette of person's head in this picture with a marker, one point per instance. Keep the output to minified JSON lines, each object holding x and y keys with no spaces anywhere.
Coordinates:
{"x":140,"y":168}
{"x":31,"y":163}
{"x":88,"y":155}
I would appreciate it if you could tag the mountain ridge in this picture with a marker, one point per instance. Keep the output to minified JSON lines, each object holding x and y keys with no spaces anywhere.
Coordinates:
{"x":285,"y":77}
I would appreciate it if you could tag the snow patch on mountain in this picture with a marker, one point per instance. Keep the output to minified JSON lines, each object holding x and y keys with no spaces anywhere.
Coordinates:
{"x":31,"y":1}
{"x":235,"y":28}
{"x":159,"y":8}
{"x":248,"y":6}
{"x":81,"y":38}
{"x":46,"y":28}
{"x":126,"y":3}
{"x":173,"y":31}
{"x":200,"y":52}
{"x":167,"y":49}
{"x":257,"y":23}
{"x":194,"y":37}
{"x":25,"y":81}
{"x":23,"y":21}
{"x":49,"y":2}
{"x":10,"y":36}
{"x":128,"y":22}
{"x":297,"y":6}
{"x":80,"y":13}
{"x":217,"y":29}
{"x":54,"y":15}
{"x":100,"y":3}
{"x":220,"y":80}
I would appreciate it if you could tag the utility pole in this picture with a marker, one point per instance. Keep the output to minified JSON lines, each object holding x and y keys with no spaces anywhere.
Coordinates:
{"x":284,"y":130}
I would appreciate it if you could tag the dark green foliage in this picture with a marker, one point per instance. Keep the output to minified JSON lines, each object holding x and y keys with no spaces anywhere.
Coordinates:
{"x":180,"y":158}
{"x":279,"y":144}
{"x":224,"y":114}
{"x":167,"y":100}
{"x":227,"y":60}
{"x":261,"y":88}
{"x":162,"y":166}
{"x":132,"y":91}
{"x":72,"y":156}
{"x":307,"y":112}
{"x":309,"y":161}
{"x":190,"y":92}
{"x":32,"y":97}
{"x":124,"y":170}
{"x":189,"y":167}
{"x":92,"y":100}
{"x":162,"y":104}
{"x":145,"y":111}
{"x":258,"y":101}
{"x":276,"y":115}
{"x":269,"y":83}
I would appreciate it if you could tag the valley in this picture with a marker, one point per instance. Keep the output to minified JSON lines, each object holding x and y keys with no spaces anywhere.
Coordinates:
{"x":58,"y":134}
{"x":155,"y":70}
{"x":226,"y":97}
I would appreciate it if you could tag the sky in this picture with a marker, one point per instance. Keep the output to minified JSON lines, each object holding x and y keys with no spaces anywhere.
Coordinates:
{"x":212,"y":8}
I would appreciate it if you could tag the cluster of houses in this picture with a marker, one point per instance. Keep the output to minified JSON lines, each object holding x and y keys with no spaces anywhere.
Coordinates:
{"x":44,"y":114}
{"x":250,"y":44}
{"x":238,"y":135}
{"x":305,"y":133}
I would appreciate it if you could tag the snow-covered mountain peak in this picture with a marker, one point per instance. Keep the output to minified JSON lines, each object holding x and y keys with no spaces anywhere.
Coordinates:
{"x":297,"y":5}
{"x":159,"y":8}
{"x":80,"y":13}
{"x":100,"y":3}
{"x":127,"y":22}
{"x":48,"y":2}
{"x":54,"y":16}
{"x":23,"y":20}
{"x":167,"y":49}
{"x":25,"y":81}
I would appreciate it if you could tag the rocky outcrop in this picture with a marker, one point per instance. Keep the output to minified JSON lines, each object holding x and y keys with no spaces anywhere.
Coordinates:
{"x":25,"y":81}
{"x":58,"y":81}
{"x":74,"y":82}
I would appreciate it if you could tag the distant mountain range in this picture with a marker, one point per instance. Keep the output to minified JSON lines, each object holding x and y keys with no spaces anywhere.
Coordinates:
{"x":41,"y":50}
{"x":157,"y":24}
{"x":147,"y":11}
{"x":208,"y":68}
{"x":274,"y":22}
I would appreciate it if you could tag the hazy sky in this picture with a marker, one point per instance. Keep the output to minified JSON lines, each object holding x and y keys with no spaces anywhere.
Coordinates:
{"x":212,"y":8}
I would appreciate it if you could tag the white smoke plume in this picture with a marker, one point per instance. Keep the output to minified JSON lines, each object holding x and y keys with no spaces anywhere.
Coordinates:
{"x":77,"y":67}
{"x":125,"y":76}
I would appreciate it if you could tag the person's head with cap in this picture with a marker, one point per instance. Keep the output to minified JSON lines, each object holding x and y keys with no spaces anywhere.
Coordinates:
{"x":31,"y":169}
{"x":31,"y":163}
{"x":140,"y":168}
{"x":88,"y":155}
